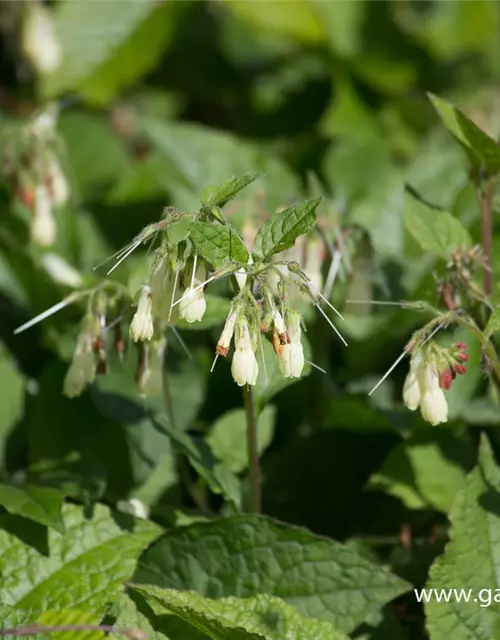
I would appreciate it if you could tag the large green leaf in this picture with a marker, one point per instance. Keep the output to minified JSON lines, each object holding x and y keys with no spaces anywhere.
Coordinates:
{"x":11,"y":397}
{"x":437,"y":232}
{"x":196,"y":156}
{"x":470,"y":560}
{"x":261,"y":617}
{"x":426,"y":471}
{"x":84,"y":567}
{"x":107,"y":45}
{"x":228,"y":437}
{"x":283,"y":228}
{"x":219,"y":195}
{"x":21,"y":619}
{"x":481,"y":149}
{"x":219,"y":245}
{"x":249,"y":555}
{"x":296,"y":19}
{"x":37,"y":503}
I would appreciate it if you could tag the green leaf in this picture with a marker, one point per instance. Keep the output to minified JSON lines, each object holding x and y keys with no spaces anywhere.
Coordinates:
{"x":296,"y":19}
{"x":219,"y":245}
{"x":37,"y":503}
{"x":437,"y":232}
{"x":129,"y":617}
{"x":426,"y":471}
{"x":11,"y":397}
{"x":245,"y":556}
{"x":219,"y":195}
{"x":481,"y":149}
{"x":84,"y":567}
{"x":470,"y":559}
{"x":228,"y":437}
{"x":216,"y":312}
{"x":283,"y":228}
{"x":493,"y":325}
{"x":107,"y":45}
{"x":13,"y":618}
{"x":262,"y":616}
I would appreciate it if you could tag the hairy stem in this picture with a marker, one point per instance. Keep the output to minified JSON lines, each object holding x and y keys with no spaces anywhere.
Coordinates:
{"x":485,"y":195}
{"x":253,"y":454}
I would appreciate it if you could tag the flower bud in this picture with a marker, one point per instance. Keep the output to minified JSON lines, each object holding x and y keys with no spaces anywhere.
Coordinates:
{"x":141,"y":327}
{"x":39,"y":40}
{"x":445,"y":379}
{"x":43,"y":225}
{"x":279,"y":325}
{"x":244,"y":367}
{"x":460,"y":368}
{"x":227,"y":334}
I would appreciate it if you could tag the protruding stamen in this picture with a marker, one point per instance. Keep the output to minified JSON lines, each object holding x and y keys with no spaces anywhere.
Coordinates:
{"x":330,"y":323}
{"x":47,"y":313}
{"x":124,"y":257}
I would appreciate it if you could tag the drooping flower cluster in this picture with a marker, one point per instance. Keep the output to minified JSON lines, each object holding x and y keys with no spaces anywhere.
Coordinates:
{"x":432,"y":371}
{"x":30,"y":162}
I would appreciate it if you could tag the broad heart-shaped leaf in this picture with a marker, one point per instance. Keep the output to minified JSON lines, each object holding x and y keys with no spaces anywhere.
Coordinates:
{"x":37,"y":503}
{"x":261,"y":617}
{"x":437,"y":232}
{"x":245,"y":556}
{"x":82,"y":569}
{"x":481,"y":149}
{"x":219,"y":245}
{"x":107,"y":45}
{"x":493,"y":325}
{"x":219,"y":195}
{"x":470,"y":560}
{"x":283,"y":228}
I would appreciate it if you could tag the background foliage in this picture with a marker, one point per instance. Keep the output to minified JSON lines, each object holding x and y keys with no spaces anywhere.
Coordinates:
{"x":158,"y":101}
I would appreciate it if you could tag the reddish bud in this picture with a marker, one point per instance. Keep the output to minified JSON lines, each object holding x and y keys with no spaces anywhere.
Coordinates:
{"x":461,"y":345}
{"x":445,"y":379}
{"x":460,"y":369}
{"x":27,"y":196}
{"x":462,"y":357}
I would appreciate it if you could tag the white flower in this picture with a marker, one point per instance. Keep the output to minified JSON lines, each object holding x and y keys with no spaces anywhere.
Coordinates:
{"x":82,"y":368}
{"x":193,"y":305}
{"x":411,"y":391}
{"x":244,"y":367}
{"x":279,"y":323}
{"x":43,"y":225}
{"x":134,"y":507}
{"x":58,"y":184}
{"x":141,"y":327}
{"x":294,"y":327}
{"x":241,"y":274}
{"x":433,"y":406}
{"x":227,"y":334}
{"x":291,"y":360}
{"x":422,"y":389}
{"x":39,"y":40}
{"x":60,"y":271}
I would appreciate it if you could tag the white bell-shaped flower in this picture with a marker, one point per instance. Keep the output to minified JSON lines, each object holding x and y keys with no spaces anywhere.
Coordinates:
{"x":193,"y":305}
{"x":82,"y":369}
{"x":58,"y":184}
{"x":291,"y":360}
{"x":227,"y":334}
{"x":244,"y":367}
{"x":433,"y":405}
{"x":141,"y":327}
{"x":43,"y":224}
{"x":411,"y":389}
{"x":39,"y":40}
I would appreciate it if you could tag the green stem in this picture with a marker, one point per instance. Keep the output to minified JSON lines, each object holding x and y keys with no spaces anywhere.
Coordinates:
{"x":253,"y":453}
{"x":485,"y":195}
